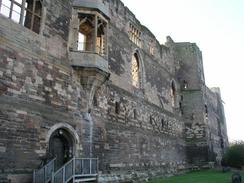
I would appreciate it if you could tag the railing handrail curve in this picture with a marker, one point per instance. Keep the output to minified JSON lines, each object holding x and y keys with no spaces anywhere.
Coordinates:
{"x":74,"y":175}
{"x":36,"y":171}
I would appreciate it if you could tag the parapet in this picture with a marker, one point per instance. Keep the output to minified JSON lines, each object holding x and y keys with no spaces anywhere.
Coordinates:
{"x":100,"y":5}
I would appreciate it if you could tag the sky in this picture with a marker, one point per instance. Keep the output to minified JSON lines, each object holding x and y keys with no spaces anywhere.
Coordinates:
{"x":217,"y":27}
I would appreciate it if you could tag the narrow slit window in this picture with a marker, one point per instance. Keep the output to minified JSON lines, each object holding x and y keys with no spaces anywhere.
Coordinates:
{"x":100,"y":46}
{"x":117,"y":107}
{"x":173,"y":93}
{"x":162,"y":123}
{"x":135,"y":114}
{"x":185,"y":84}
{"x":206,"y":110}
{"x":181,"y":108}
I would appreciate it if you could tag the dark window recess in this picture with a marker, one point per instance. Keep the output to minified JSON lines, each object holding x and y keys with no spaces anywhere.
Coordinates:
{"x":26,"y":13}
{"x":162,"y":123}
{"x":135,"y":114}
{"x":181,"y":108}
{"x":33,"y":15}
{"x":181,"y":97}
{"x":206,"y":111}
{"x":222,"y":143}
{"x":185,"y":84}
{"x":117,"y":107}
{"x":173,"y":93}
{"x":95,"y":101}
{"x":151,"y":120}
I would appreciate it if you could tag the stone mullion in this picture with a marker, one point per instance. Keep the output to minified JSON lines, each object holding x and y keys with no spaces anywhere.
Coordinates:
{"x":22,"y":12}
{"x":95,"y":35}
{"x":33,"y":14}
{"x":11,"y":8}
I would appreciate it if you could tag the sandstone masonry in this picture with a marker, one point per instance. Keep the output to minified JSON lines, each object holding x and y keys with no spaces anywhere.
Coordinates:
{"x":84,"y":78}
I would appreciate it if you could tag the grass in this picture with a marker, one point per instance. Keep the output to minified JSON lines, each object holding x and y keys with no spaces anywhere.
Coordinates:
{"x":205,"y":176}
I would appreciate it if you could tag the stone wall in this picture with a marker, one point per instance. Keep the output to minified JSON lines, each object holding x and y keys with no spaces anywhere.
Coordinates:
{"x":137,"y":133}
{"x":217,"y":133}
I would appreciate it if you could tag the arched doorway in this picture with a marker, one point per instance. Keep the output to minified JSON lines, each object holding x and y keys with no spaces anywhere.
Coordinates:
{"x":61,"y":145}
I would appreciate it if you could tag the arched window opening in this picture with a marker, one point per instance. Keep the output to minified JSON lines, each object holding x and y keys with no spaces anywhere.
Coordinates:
{"x":135,"y":71}
{"x":173,"y":93}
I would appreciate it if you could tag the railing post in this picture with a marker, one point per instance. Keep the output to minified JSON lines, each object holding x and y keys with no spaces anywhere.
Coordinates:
{"x":34,"y":176}
{"x":90,"y":166}
{"x":64,"y":174}
{"x":44,"y":177}
{"x":82,"y":165}
{"x":74,"y":167}
{"x":73,"y":171}
{"x":97,"y":170}
{"x":53,"y":177}
{"x":97,"y":166}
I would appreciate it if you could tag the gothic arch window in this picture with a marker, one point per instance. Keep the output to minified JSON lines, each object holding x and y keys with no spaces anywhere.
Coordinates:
{"x":135,"y":71}
{"x":173,"y":93}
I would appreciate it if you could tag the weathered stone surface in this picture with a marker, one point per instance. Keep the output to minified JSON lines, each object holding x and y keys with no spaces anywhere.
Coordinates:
{"x":137,"y":133}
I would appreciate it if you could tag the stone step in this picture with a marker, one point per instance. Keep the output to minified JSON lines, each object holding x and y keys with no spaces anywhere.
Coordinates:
{"x":87,"y":179}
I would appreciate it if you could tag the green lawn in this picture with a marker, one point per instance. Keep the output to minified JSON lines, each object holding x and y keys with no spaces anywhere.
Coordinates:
{"x":206,"y":176}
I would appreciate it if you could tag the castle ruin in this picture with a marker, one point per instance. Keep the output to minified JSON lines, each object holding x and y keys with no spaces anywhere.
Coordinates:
{"x":87,"y":93}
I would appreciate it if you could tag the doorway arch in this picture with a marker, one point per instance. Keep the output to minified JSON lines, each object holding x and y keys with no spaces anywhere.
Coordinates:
{"x":61,"y":146}
{"x":63,"y":143}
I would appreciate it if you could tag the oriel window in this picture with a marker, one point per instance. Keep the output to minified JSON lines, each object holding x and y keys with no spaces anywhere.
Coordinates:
{"x":92,"y":34}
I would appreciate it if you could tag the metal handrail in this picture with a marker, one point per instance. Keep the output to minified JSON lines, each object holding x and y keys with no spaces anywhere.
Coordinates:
{"x":43,"y":172}
{"x":61,"y":173}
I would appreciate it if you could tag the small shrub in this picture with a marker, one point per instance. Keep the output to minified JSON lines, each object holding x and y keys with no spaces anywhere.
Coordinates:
{"x":234,"y":155}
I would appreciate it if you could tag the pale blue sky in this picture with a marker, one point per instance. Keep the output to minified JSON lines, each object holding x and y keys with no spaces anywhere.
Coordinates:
{"x":217,"y":26}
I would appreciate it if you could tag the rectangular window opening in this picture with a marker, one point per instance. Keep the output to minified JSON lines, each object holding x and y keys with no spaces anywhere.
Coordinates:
{"x":92,"y":34}
{"x":135,"y":35}
{"x":27,"y":14}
